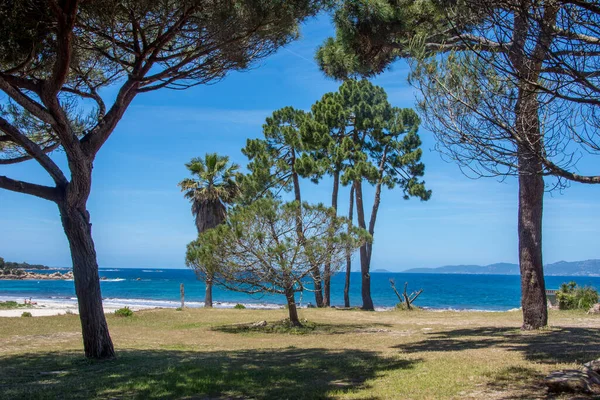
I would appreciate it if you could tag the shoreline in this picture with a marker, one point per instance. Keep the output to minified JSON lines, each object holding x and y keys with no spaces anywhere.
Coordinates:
{"x":44,"y":307}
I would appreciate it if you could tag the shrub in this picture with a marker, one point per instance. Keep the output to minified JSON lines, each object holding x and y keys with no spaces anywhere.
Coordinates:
{"x":573,"y":297}
{"x":402,"y":307}
{"x":26,"y":314}
{"x":9,"y":304}
{"x":6,"y":305}
{"x":179,"y":309}
{"x":124,"y":312}
{"x":69,"y":312}
{"x":239,"y":307}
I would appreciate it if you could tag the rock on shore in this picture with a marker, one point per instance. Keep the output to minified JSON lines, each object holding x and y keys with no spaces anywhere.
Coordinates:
{"x":35,"y":276}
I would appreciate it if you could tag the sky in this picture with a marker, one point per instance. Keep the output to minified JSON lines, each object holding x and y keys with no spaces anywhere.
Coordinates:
{"x":141,"y":220}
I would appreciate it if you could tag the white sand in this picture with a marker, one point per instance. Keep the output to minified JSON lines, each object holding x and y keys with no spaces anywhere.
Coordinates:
{"x":45,"y":307}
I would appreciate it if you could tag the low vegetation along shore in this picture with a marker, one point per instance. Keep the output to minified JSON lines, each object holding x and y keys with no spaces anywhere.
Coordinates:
{"x":217,"y":353}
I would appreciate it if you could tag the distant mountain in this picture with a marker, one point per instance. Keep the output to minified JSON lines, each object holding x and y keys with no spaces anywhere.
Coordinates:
{"x":561,"y":268}
{"x":380,"y":270}
{"x":575,"y":268}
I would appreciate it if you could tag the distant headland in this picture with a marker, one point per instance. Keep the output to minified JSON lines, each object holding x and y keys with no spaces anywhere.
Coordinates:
{"x":9,"y":265}
{"x":14,"y":270}
{"x":561,"y":268}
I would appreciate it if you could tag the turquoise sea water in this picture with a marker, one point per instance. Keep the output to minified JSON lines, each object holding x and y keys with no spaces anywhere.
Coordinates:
{"x":161,"y":288}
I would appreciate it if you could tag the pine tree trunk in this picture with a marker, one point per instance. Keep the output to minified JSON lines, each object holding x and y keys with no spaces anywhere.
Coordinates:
{"x":292,"y":311}
{"x":318,"y":287}
{"x":208,"y":302}
{"x":376,"y":203}
{"x":327,"y":269}
{"x":531,"y":202}
{"x":349,"y":255}
{"x":96,"y":339}
{"x":528,"y":62}
{"x":364,"y":254}
{"x":315,"y":272}
{"x":533,"y":290}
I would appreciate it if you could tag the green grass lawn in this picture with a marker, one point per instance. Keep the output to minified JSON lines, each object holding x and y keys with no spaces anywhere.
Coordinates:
{"x":211,"y":354}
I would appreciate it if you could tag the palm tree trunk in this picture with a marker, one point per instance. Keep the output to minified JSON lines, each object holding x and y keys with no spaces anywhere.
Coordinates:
{"x":210,"y":214}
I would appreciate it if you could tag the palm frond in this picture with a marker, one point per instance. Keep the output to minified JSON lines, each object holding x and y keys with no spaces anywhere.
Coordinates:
{"x":213,"y":180}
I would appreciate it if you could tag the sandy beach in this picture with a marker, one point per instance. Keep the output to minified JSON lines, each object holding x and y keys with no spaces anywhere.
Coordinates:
{"x":42,"y":307}
{"x":49,"y":307}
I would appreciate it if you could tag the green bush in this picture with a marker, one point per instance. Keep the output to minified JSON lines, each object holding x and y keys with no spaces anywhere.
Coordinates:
{"x":124,"y":312}
{"x":8,"y":304}
{"x":179,"y":309}
{"x":573,"y":297}
{"x":26,"y":314}
{"x":239,"y":307}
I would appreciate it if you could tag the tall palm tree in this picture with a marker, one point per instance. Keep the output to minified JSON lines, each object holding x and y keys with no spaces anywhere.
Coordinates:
{"x":211,"y":189}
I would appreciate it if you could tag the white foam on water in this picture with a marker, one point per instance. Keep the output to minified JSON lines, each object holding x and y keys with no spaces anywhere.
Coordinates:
{"x":191,"y":304}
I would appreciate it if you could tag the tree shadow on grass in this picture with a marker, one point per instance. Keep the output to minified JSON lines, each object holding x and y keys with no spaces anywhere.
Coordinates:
{"x":551,"y":346}
{"x":555,"y":345}
{"x":517,"y":383}
{"x":155,"y":374}
{"x":524,"y":383}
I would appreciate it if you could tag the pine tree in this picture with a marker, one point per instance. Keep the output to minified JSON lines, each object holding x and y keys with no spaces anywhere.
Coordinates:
{"x":278,"y":162}
{"x":364,"y":138}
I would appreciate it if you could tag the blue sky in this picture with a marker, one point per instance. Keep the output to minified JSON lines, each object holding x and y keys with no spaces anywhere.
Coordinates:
{"x":140,"y":218}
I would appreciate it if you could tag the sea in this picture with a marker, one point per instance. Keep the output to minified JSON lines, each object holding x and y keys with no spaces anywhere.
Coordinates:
{"x":161,"y":288}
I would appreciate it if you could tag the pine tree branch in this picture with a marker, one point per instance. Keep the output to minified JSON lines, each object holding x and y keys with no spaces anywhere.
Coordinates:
{"x":44,"y":192}
{"x":26,"y":102}
{"x":34,"y":151}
